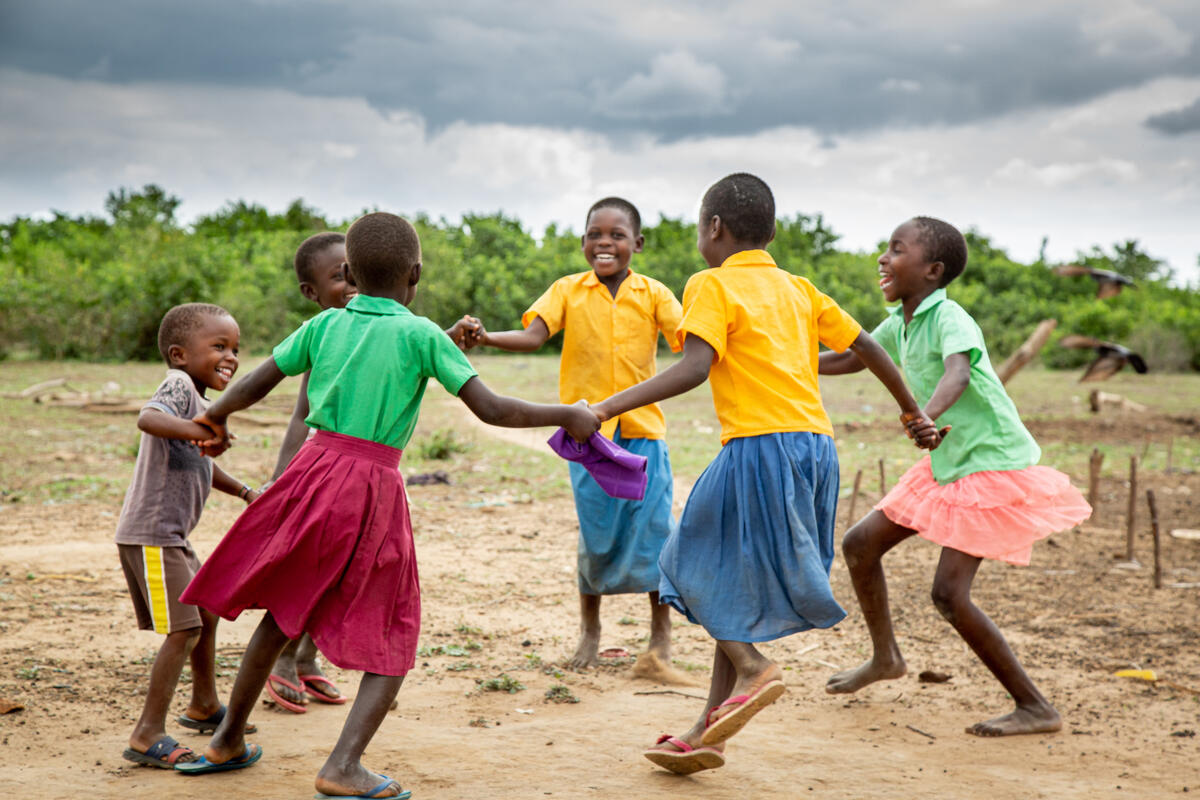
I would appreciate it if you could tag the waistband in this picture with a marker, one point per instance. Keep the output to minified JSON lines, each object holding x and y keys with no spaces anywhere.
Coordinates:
{"x":358,"y":448}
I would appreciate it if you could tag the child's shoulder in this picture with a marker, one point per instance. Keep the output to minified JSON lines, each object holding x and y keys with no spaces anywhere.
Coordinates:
{"x":176,"y":385}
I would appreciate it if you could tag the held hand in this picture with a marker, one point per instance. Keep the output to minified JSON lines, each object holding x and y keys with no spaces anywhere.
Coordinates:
{"x":476,"y":334}
{"x":221,"y":439}
{"x":581,"y":421}
{"x":921,"y":429}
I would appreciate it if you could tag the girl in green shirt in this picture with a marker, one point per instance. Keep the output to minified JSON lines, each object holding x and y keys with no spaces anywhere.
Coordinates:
{"x":979,"y":495}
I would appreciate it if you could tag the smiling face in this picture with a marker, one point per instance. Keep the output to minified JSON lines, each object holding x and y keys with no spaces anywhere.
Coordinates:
{"x":210,"y":356}
{"x":328,"y":286}
{"x":905,"y":274}
{"x":609,"y":242}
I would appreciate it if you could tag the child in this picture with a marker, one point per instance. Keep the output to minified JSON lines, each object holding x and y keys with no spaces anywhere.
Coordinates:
{"x":328,"y":549}
{"x":170,"y":483}
{"x":320,"y":265}
{"x":610,"y":317}
{"x":750,"y":560}
{"x":978,"y":496}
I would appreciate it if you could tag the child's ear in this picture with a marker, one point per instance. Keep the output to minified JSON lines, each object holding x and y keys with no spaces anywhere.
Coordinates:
{"x":715,"y":227}
{"x":934,"y":272}
{"x":176,"y":356}
{"x":309,"y":291}
{"x":638,"y":242}
{"x":771,"y":238}
{"x":349,"y":273}
{"x":414,"y":274}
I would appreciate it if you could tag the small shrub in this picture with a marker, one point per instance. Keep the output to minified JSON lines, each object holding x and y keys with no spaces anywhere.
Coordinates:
{"x":440,"y":445}
{"x":560,"y":694}
{"x":503,"y":683}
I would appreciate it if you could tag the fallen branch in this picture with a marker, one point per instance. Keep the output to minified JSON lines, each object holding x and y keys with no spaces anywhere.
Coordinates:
{"x":673,"y":691}
{"x":923,"y":733}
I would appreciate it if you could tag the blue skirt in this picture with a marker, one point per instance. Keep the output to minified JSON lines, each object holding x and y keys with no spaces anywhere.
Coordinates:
{"x":619,"y":540}
{"x":750,"y":560}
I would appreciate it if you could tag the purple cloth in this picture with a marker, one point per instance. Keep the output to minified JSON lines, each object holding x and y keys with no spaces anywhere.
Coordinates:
{"x":619,"y":472}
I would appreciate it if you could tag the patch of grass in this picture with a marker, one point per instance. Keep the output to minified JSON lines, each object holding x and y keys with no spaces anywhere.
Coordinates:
{"x":627,"y":621}
{"x":468,"y":630}
{"x":501,"y":683}
{"x":687,"y":666}
{"x":449,"y":649}
{"x":29,"y":673}
{"x":461,"y":666}
{"x":560,"y":694}
{"x":440,"y":445}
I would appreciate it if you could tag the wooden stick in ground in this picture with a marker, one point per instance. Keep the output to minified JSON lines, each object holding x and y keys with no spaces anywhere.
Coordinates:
{"x":882,"y":479}
{"x":854,"y":498}
{"x":1131,"y":515}
{"x":1026,"y":352}
{"x":1094,"y":464}
{"x":1170,"y":450}
{"x":1157,"y":540}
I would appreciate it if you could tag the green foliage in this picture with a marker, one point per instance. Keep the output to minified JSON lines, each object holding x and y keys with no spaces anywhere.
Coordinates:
{"x":96,"y":287}
{"x":503,"y":683}
{"x":440,"y":444}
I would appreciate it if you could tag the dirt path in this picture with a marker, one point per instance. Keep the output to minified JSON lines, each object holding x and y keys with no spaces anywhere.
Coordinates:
{"x":499,"y":598}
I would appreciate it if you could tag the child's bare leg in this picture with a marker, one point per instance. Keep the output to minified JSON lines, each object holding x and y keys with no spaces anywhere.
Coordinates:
{"x":864,"y":547}
{"x":228,"y":740}
{"x":286,"y":667}
{"x":343,"y":772}
{"x":587,"y":653}
{"x":723,"y":678}
{"x":952,"y":596}
{"x":752,"y":672}
{"x":164,"y":677}
{"x":660,"y":630}
{"x":205,"y":702}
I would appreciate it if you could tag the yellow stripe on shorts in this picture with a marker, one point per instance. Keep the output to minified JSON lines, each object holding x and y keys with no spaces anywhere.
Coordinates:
{"x":156,"y":586}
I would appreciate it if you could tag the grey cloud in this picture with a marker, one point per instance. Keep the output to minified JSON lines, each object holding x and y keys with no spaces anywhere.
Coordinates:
{"x":1177,"y":121}
{"x":663,"y":68}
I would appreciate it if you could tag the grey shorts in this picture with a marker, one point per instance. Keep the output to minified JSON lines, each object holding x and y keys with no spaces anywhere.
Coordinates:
{"x":156,"y":577}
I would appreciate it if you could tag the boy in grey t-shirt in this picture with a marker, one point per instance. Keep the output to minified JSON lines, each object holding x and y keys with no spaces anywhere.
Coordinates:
{"x":171,"y":481}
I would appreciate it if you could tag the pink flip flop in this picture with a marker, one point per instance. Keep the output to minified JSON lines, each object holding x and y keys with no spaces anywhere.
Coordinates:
{"x":686,"y":759}
{"x":747,"y":705}
{"x":281,"y":701}
{"x":321,"y":696}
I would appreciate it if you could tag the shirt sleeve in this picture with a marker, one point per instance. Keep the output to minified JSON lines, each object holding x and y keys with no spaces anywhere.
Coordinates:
{"x":836,"y":329}
{"x":294,"y":354}
{"x":668,"y":313}
{"x":446,"y":363}
{"x":885,"y":333}
{"x":551,"y":307}
{"x":173,"y":395}
{"x":704,"y":313}
{"x":958,"y":332}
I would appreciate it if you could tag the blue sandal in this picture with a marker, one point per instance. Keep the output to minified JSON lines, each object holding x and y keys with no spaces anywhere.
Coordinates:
{"x":202,"y":766}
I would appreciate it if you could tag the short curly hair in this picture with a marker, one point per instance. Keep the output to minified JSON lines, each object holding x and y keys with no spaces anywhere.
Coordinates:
{"x":181,"y":322}
{"x":942,"y":242}
{"x":745,"y":205}
{"x":382,"y":249}
{"x":620,"y":204}
{"x":310,"y":248}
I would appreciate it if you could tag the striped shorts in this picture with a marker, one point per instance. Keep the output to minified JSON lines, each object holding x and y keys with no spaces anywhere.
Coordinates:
{"x":156,"y":577}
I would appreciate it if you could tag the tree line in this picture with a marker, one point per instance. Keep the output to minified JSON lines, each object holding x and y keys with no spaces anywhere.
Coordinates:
{"x":95,"y":287}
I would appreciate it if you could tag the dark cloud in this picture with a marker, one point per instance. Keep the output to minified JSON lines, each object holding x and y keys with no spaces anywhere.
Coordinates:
{"x":668,"y":68}
{"x":1177,"y":121}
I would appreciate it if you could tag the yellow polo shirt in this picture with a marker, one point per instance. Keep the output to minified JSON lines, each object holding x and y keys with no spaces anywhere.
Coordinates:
{"x":609,"y":343}
{"x":764,"y":324}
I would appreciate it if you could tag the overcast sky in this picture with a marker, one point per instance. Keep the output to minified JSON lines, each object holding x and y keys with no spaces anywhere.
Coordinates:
{"x":1073,"y":119}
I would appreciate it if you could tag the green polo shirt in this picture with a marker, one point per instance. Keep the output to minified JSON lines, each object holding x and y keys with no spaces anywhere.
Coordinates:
{"x":987,"y":434}
{"x":369,"y":365}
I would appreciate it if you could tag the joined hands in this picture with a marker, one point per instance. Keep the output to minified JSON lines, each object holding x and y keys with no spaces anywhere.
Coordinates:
{"x":922,"y":430}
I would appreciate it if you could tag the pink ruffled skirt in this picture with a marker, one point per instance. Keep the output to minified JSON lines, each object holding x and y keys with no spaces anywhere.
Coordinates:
{"x":996,"y":514}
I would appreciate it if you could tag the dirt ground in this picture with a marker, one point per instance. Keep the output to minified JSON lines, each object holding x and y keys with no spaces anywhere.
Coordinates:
{"x":500,"y":599}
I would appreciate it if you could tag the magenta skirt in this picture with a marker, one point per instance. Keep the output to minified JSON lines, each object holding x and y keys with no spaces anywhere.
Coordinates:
{"x":328,"y":550}
{"x":996,"y":514}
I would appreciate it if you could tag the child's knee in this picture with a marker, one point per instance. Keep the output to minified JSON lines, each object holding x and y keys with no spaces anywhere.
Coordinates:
{"x":948,"y":599}
{"x":855,"y":546}
{"x":185,"y":638}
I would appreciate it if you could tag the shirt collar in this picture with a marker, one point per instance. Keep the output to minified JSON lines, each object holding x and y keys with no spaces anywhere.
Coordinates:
{"x":370,"y":304}
{"x":749,"y":258}
{"x":591,"y":280}
{"x":934,"y":297}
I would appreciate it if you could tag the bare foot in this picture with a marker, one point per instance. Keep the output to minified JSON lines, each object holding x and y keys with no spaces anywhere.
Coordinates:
{"x":362,"y":783}
{"x":587,"y":653}
{"x":851,"y":680}
{"x":1039,"y":719}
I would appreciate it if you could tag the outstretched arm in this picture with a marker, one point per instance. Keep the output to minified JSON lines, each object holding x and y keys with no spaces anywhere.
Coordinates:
{"x":918,"y":426}
{"x":954,"y":382}
{"x":845,"y":363}
{"x":685,"y":375}
{"x":167,"y":426}
{"x":243,"y":394}
{"x":509,"y":412}
{"x":222,"y":481}
{"x":524,"y":341}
